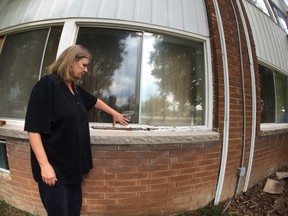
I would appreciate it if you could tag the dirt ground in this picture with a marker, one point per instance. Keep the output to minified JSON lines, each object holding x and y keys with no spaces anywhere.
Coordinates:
{"x":254,"y":202}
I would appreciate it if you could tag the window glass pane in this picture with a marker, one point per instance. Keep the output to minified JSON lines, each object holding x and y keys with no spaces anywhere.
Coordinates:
{"x":261,"y":5}
{"x":113,"y":71}
{"x":267,"y":95}
{"x":282,"y":98}
{"x":172,"y":82}
{"x":282,"y":20}
{"x":20,"y":62}
{"x":3,"y":155}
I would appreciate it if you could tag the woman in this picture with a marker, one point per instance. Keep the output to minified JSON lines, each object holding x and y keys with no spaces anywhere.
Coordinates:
{"x":58,"y":131}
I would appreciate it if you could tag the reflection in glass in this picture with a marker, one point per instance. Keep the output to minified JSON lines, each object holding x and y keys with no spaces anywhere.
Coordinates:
{"x":267,"y":95}
{"x":281,"y":18}
{"x":172,"y":82}
{"x":113,"y":71}
{"x":20,"y":62}
{"x":261,"y":5}
{"x":281,"y":82}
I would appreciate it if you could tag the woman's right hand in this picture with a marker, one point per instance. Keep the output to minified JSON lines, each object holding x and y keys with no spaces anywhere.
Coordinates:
{"x":48,"y":174}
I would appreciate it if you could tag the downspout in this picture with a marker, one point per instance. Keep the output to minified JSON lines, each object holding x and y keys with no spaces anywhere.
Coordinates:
{"x":226,"y":106}
{"x":241,"y":169}
{"x":253,"y":89}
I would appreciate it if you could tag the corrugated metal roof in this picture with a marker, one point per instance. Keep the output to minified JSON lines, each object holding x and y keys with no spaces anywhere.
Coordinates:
{"x":186,"y":15}
{"x":270,"y":40}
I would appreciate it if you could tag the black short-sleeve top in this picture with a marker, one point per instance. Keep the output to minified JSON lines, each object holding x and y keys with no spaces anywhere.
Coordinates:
{"x":61,"y":118}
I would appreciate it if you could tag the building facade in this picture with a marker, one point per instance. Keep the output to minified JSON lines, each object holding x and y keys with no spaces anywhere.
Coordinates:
{"x":205,"y":83}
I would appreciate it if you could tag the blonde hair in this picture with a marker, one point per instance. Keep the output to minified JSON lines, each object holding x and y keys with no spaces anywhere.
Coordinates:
{"x":61,"y":66}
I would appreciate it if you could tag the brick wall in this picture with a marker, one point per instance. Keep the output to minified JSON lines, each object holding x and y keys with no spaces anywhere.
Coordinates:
{"x":236,"y":117}
{"x":269,"y":155}
{"x":150,"y":179}
{"x":126,"y":179}
{"x":268,"y":149}
{"x":18,"y":188}
{"x":144,"y":179}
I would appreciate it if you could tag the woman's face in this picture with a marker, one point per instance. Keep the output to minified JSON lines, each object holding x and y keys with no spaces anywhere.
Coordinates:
{"x":78,"y":68}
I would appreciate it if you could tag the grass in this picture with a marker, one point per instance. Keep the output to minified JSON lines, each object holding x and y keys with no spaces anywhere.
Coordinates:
{"x":212,"y":210}
{"x":209,"y":210}
{"x":8,"y":210}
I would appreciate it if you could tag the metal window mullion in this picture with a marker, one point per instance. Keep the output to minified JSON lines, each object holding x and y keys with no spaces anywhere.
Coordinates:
{"x":43,"y":54}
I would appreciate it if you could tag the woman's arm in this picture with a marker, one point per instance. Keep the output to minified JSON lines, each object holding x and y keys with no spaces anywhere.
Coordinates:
{"x":47,"y":171}
{"x":117,"y":117}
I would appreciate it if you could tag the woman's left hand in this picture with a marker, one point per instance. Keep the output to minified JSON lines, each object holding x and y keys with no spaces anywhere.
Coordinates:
{"x":120,"y":118}
{"x":117,"y":117}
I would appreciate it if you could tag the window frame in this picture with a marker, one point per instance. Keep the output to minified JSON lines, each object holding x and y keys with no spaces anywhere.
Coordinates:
{"x":3,"y":151}
{"x":276,"y":11}
{"x":273,"y":125}
{"x":169,"y":32}
{"x":2,"y":40}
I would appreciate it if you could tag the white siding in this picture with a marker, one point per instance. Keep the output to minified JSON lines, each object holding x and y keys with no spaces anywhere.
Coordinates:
{"x":185,"y":15}
{"x":270,"y":40}
{"x":143,"y":12}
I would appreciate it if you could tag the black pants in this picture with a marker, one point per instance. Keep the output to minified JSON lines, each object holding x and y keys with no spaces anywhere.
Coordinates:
{"x":64,"y":200}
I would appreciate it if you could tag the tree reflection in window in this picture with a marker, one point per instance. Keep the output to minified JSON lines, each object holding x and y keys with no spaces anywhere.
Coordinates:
{"x":114,"y":69}
{"x":281,"y":93}
{"x":267,"y":95}
{"x":170,"y":71}
{"x":172,"y":82}
{"x":274,"y":96}
{"x":23,"y":56}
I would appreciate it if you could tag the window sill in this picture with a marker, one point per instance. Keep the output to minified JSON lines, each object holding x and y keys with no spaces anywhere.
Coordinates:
{"x":14,"y":129}
{"x":4,"y":171}
{"x":139,"y":135}
{"x":272,"y":128}
{"x":133,"y":134}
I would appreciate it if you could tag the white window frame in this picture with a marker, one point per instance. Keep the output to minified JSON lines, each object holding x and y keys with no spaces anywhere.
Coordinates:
{"x":69,"y":36}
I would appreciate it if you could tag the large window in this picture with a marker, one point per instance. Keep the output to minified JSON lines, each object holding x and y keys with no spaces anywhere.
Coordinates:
{"x":3,"y":155}
{"x":282,"y":18}
{"x":277,"y":13}
{"x":157,"y":79}
{"x":23,"y":59}
{"x":261,"y":5}
{"x":274,"y":96}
